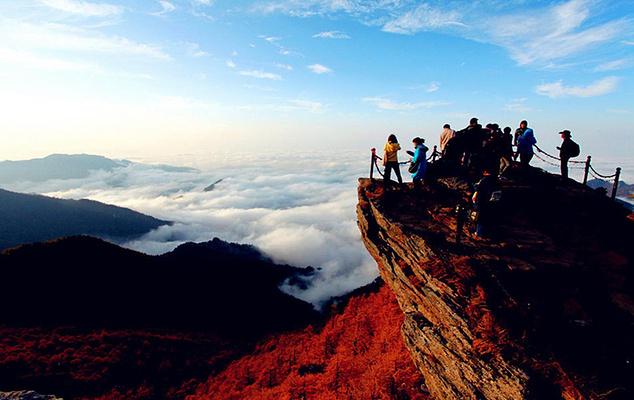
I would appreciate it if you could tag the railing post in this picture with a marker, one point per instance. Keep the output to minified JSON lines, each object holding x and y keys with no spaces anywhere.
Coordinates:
{"x":372,"y":162}
{"x":616,"y":182}
{"x":587,"y":171}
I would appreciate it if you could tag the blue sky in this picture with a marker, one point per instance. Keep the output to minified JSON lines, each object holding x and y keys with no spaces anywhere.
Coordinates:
{"x":158,"y":78}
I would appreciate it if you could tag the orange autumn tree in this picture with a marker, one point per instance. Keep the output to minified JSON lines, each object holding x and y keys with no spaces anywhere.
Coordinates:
{"x":357,"y":354}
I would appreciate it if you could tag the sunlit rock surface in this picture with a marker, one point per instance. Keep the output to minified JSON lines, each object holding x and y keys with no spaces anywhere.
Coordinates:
{"x":542,"y":309}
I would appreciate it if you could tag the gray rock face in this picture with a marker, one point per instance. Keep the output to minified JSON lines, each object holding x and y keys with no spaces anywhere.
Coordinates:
{"x":27,"y":395}
{"x":542,"y":309}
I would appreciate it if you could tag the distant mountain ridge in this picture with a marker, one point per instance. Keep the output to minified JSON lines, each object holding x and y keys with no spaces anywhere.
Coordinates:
{"x":84,"y":281}
{"x":623,"y":189}
{"x":65,"y":166}
{"x":27,"y":218}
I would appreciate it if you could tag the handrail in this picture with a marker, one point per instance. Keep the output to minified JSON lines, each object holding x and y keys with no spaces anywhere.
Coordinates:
{"x":588,"y":168}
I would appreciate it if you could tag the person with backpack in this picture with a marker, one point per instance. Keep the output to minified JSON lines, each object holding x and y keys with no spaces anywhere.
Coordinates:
{"x":390,"y":161}
{"x":525,"y":145}
{"x":567,"y":150}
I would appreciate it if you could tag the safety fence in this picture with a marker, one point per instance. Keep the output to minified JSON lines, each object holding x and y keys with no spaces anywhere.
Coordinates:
{"x":374,"y":162}
{"x":585,"y":165}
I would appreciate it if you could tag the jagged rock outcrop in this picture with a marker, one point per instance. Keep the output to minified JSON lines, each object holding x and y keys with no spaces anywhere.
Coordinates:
{"x":26,"y":395}
{"x":541,"y":310}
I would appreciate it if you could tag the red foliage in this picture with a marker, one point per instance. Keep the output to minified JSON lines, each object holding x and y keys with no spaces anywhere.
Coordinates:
{"x":357,"y":354}
{"x":102,"y":364}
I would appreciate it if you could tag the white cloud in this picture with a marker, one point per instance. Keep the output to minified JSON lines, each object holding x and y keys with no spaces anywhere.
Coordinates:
{"x":557,"y":32}
{"x":423,"y":18}
{"x":85,"y":8}
{"x":518,"y":105}
{"x":557,"y":90}
{"x":332,"y":35}
{"x":230,"y":64}
{"x":51,"y":36}
{"x":193,"y":49}
{"x":614,"y":65}
{"x":387,"y":104}
{"x":315,"y":107}
{"x":432,"y":87}
{"x":277,"y":203}
{"x":320,"y":69}
{"x":27,"y":59}
{"x":262,"y":75}
{"x":284,"y":66}
{"x":167,"y":8}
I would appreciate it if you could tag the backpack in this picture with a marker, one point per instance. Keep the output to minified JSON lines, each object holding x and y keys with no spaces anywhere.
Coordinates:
{"x":575,"y":150}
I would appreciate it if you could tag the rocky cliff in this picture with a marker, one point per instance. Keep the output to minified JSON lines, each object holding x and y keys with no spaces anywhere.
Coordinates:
{"x":541,"y":309}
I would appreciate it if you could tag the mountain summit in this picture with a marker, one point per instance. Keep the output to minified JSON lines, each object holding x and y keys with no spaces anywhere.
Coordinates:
{"x":542,"y":309}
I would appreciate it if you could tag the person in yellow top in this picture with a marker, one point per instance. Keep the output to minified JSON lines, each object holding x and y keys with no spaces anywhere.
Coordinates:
{"x":390,"y":160}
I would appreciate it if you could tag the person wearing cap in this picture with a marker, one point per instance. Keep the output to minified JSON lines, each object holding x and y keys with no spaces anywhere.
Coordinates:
{"x":420,"y":157}
{"x":567,"y":150}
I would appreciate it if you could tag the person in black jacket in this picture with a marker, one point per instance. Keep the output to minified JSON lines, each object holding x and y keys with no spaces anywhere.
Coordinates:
{"x":567,"y":150}
{"x":471,"y":139}
{"x":487,"y":191}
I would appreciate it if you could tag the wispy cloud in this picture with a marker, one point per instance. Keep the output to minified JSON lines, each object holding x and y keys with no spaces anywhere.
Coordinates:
{"x":537,"y":35}
{"x":85,"y":8}
{"x":556,"y":32}
{"x":332,"y":35}
{"x":557,"y":90}
{"x":167,"y":8}
{"x":230,"y":64}
{"x":193,"y":49}
{"x":423,"y":18}
{"x":614,"y":65}
{"x":50,"y":36}
{"x":27,"y":59}
{"x":432,"y":87}
{"x":319,"y":69}
{"x":619,"y":111}
{"x":284,"y":66}
{"x":315,"y":107}
{"x":262,"y":75}
{"x":518,"y":105}
{"x":388,"y":104}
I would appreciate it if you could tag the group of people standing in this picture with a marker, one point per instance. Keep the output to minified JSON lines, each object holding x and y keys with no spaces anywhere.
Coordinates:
{"x":418,"y":166}
{"x":487,"y":150}
{"x":477,"y":148}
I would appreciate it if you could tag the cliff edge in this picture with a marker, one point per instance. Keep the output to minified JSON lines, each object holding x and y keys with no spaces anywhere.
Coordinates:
{"x":541,"y":310}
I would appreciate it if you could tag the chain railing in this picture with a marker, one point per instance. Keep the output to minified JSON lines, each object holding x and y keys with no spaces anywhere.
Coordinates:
{"x":588,"y":170}
{"x":585,"y":165}
{"x":375,"y":165}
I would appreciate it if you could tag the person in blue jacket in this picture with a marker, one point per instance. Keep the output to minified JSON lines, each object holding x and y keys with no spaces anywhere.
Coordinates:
{"x":525,"y":146}
{"x":420,"y":158}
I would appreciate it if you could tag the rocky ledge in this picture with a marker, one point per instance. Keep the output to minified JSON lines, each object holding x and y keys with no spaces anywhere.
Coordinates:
{"x":543,"y":309}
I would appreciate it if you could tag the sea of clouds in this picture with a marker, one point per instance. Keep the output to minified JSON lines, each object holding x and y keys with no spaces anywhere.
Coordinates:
{"x":299,"y":209}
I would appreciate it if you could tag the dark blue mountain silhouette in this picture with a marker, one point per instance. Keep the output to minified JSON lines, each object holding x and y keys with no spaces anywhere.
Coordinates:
{"x":27,"y":218}
{"x":65,"y":166}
